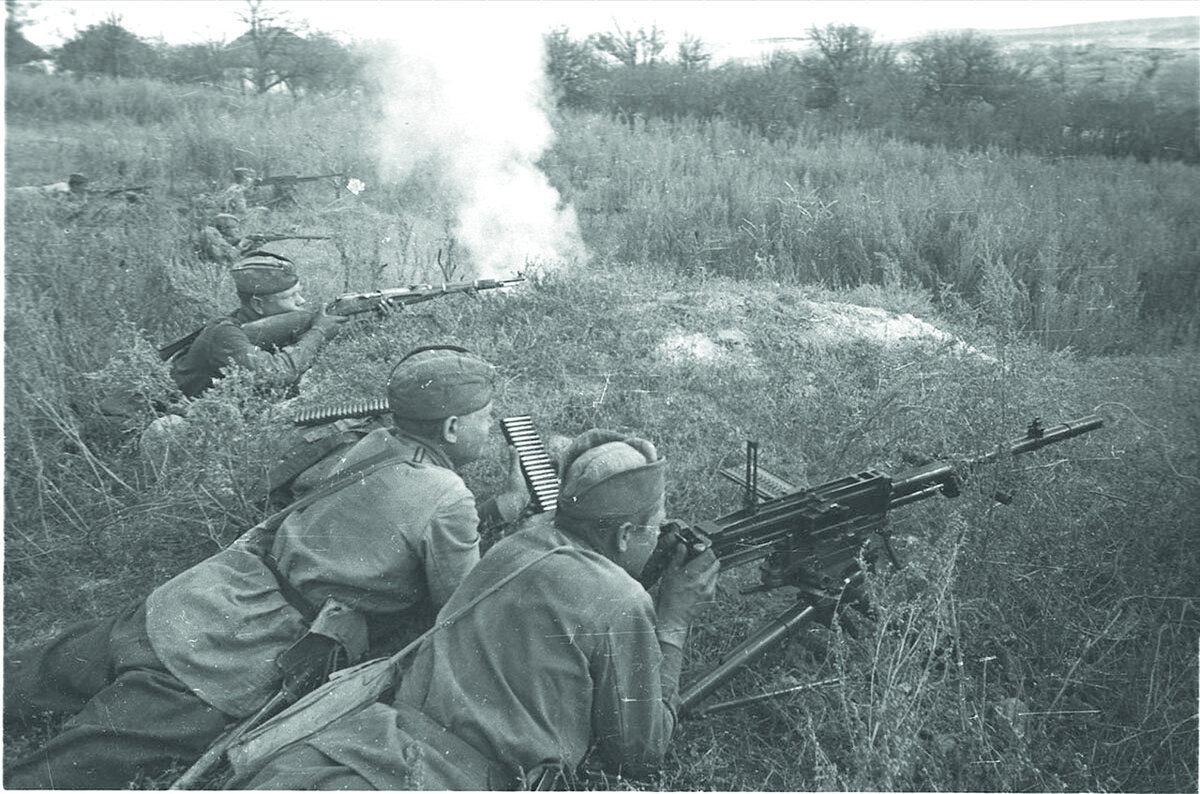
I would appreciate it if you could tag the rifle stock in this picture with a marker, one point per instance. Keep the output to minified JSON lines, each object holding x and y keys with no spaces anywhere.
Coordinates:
{"x":813,"y":538}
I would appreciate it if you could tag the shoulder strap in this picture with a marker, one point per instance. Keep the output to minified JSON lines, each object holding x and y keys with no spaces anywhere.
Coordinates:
{"x":346,"y":691}
{"x":181,"y":345}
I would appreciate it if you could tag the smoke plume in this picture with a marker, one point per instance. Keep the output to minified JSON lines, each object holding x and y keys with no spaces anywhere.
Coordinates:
{"x":466,"y":112}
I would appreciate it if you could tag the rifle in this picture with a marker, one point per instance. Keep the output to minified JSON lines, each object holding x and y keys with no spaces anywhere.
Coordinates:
{"x":281,"y":330}
{"x":292,"y":179}
{"x":117,"y":191}
{"x":812,"y":538}
{"x":258,"y":239}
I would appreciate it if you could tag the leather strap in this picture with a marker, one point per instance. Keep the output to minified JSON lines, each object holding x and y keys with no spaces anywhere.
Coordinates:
{"x":289,"y":591}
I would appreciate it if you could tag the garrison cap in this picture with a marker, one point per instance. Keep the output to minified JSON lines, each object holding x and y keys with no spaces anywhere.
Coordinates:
{"x":607,"y":473}
{"x":77,"y":179}
{"x":263,"y":273}
{"x":438,"y":382}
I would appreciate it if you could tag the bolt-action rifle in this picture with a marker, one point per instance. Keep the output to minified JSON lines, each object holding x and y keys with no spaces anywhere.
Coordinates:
{"x":118,"y":191}
{"x":288,"y":180}
{"x":812,"y":539}
{"x":258,"y":239}
{"x":281,"y":330}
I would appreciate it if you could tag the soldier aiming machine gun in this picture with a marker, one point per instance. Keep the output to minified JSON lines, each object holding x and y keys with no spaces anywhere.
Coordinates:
{"x":281,"y":330}
{"x":812,"y":538}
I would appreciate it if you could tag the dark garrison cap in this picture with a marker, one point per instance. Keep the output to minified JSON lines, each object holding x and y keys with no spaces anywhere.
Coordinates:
{"x":440,"y":382}
{"x":262,"y":273}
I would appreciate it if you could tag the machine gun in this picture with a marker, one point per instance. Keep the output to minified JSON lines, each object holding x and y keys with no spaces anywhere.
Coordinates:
{"x":281,"y":330}
{"x":288,"y":180}
{"x":813,"y":539}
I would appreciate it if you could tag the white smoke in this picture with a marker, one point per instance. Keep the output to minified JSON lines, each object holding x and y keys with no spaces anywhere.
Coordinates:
{"x":466,"y":109}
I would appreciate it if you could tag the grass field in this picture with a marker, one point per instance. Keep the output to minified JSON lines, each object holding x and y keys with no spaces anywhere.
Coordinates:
{"x":1049,"y":644}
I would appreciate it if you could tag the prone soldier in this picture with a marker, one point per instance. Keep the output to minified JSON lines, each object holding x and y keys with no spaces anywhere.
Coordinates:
{"x":267,"y":285}
{"x":391,"y":537}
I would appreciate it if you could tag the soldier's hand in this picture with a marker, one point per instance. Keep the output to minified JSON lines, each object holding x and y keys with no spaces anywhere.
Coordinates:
{"x":329,"y":324}
{"x":687,"y":587}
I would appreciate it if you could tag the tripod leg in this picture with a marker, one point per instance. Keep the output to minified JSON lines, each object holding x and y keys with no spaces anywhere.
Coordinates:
{"x":751,"y":649}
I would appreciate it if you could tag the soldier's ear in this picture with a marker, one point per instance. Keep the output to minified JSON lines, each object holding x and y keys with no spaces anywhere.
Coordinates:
{"x":450,"y":430}
{"x":624,"y":535}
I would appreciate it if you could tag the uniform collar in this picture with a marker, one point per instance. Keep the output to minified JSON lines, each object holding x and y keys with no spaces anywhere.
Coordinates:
{"x":420,"y":450}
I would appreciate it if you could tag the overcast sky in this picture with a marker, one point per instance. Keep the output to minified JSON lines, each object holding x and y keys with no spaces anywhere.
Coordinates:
{"x":717,"y":22}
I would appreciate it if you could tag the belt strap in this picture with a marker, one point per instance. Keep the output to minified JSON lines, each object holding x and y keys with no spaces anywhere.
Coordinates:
{"x":289,"y":591}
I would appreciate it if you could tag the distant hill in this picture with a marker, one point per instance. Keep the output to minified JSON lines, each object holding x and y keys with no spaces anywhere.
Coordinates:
{"x":1174,"y":33}
{"x":1179,"y":34}
{"x":1159,"y":56}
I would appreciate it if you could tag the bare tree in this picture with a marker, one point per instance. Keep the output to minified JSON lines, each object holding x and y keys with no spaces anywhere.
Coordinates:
{"x":267,"y":53}
{"x":631,"y":49}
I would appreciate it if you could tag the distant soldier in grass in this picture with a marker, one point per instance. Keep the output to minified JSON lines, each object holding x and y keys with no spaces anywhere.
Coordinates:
{"x":392,"y":540}
{"x":235,"y":199}
{"x":267,"y":284}
{"x":549,"y":652}
{"x":74,"y":188}
{"x":221,"y":240}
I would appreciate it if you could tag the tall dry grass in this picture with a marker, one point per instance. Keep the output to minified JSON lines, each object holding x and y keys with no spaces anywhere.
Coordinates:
{"x":1048,"y":644}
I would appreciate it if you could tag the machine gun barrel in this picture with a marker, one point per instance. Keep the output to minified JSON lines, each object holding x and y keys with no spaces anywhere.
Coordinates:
{"x":943,"y":476}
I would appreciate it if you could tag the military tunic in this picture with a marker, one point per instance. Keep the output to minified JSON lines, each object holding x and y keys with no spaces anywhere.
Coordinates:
{"x":402,"y":537}
{"x":562,"y":656}
{"x":222,"y":344}
{"x":207,"y":643}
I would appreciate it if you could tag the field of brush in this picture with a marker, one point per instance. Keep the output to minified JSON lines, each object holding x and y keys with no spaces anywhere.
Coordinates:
{"x":1048,"y":644}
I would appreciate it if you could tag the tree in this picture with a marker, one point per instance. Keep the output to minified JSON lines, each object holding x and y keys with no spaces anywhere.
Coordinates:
{"x":107,"y":49}
{"x":844,"y":56}
{"x":18,"y":49}
{"x":693,"y":53}
{"x":961,"y":69}
{"x":323,"y":64}
{"x":573,"y":68}
{"x":193,"y":63}
{"x":268,"y":53}
{"x":631,"y":49}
